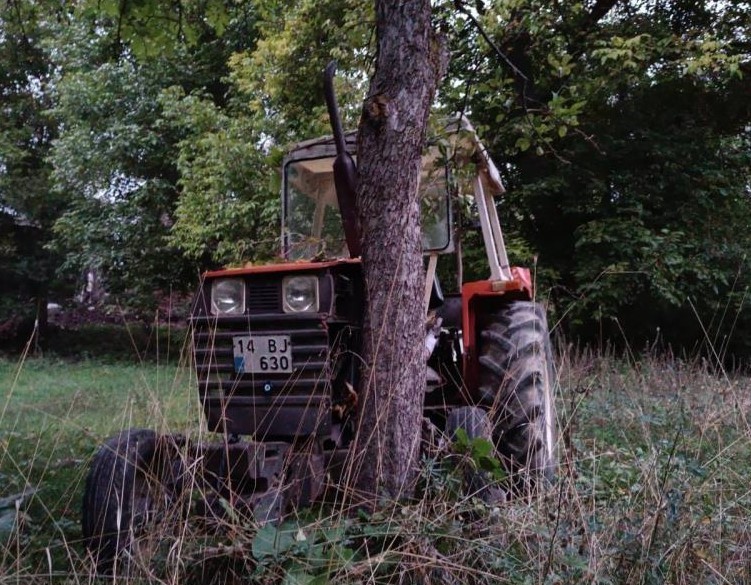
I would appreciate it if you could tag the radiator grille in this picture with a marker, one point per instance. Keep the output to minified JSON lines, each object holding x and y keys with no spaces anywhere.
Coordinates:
{"x":264,"y":297}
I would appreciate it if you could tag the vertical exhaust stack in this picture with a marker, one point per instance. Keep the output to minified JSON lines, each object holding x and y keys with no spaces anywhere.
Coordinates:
{"x":345,"y":170}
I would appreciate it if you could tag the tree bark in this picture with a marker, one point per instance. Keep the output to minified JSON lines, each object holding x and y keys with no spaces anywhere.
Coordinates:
{"x":410,"y":61}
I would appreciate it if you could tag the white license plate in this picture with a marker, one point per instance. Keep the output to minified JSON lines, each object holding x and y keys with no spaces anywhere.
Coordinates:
{"x":258,"y":354}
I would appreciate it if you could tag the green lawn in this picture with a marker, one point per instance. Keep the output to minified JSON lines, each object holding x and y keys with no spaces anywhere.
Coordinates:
{"x":53,"y":416}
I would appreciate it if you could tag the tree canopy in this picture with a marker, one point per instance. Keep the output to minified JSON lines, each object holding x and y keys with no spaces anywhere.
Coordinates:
{"x":624,"y":128}
{"x":144,"y":139}
{"x":28,"y":206}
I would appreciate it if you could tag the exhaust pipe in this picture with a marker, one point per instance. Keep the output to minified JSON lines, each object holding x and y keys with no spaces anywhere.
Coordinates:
{"x":345,"y":170}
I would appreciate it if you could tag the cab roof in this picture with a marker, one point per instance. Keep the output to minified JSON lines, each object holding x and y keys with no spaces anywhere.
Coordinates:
{"x":459,"y":134}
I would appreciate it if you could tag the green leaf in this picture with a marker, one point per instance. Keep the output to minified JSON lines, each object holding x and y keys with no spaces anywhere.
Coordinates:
{"x":523,"y":143}
{"x":273,"y":541}
{"x":298,"y":577}
{"x":481,"y":447}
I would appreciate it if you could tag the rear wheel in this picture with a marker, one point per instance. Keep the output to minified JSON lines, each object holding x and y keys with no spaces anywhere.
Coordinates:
{"x":516,"y":385}
{"x":133,"y":482}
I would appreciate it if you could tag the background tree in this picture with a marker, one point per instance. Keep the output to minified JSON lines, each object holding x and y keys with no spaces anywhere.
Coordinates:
{"x":135,"y":157}
{"x":228,"y":207}
{"x":29,"y":206}
{"x":622,"y":128}
{"x":281,"y":75}
{"x":624,"y":131}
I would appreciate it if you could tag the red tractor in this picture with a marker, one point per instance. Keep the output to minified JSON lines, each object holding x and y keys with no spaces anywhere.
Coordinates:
{"x":277,"y":346}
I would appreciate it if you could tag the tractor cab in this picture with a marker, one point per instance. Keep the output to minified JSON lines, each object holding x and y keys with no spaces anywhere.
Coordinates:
{"x":311,"y":219}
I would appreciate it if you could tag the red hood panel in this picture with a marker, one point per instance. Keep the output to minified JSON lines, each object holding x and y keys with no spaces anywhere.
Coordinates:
{"x":281,"y":267}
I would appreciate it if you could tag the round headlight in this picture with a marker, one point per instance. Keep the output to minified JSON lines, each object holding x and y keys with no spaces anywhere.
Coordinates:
{"x":300,"y":294}
{"x":228,"y":297}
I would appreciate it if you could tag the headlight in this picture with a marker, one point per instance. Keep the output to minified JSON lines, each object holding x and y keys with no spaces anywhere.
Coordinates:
{"x":300,"y":294}
{"x":228,"y":297}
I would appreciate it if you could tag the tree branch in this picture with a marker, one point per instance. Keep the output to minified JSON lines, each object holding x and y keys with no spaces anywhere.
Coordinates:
{"x":24,"y":36}
{"x":505,"y":58}
{"x":598,"y":12}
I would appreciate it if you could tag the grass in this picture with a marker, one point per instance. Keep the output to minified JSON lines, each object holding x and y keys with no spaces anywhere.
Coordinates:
{"x":53,"y":416}
{"x":654,"y":486}
{"x":658,"y":453}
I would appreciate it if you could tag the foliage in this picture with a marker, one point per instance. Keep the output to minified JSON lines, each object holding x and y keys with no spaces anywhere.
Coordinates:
{"x":228,"y":206}
{"x":281,"y":76}
{"x":479,"y":452}
{"x":114,"y":156}
{"x":28,"y":206}
{"x":154,"y":28}
{"x":120,"y":154}
{"x":624,"y":177}
{"x":144,"y":139}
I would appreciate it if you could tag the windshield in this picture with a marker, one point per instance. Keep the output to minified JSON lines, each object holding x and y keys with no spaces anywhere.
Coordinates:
{"x":311,"y":213}
{"x":313,"y":226}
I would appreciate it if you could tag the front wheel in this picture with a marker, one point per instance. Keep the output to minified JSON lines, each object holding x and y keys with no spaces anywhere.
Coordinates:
{"x":476,"y":424}
{"x":132,"y":483}
{"x":516,"y":385}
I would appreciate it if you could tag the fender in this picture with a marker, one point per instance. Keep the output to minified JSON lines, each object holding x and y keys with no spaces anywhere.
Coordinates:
{"x":487,"y":293}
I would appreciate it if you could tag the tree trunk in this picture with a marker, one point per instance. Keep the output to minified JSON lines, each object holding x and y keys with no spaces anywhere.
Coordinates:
{"x":410,"y":62}
{"x":41,"y":324}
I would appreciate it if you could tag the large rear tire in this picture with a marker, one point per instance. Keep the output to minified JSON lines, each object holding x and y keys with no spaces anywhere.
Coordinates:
{"x":516,"y":386}
{"x":132,"y":484}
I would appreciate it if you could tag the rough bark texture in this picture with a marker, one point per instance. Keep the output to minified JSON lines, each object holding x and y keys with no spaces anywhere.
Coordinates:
{"x":410,"y":62}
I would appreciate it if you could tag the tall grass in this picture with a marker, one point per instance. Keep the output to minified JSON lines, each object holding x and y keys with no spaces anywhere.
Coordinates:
{"x":53,"y":415}
{"x":654,"y":486}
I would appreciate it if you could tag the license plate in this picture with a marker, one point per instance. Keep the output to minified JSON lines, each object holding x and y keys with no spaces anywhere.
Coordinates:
{"x":258,"y":354}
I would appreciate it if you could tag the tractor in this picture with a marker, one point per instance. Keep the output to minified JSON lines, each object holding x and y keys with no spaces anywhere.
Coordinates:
{"x":276,"y":349}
